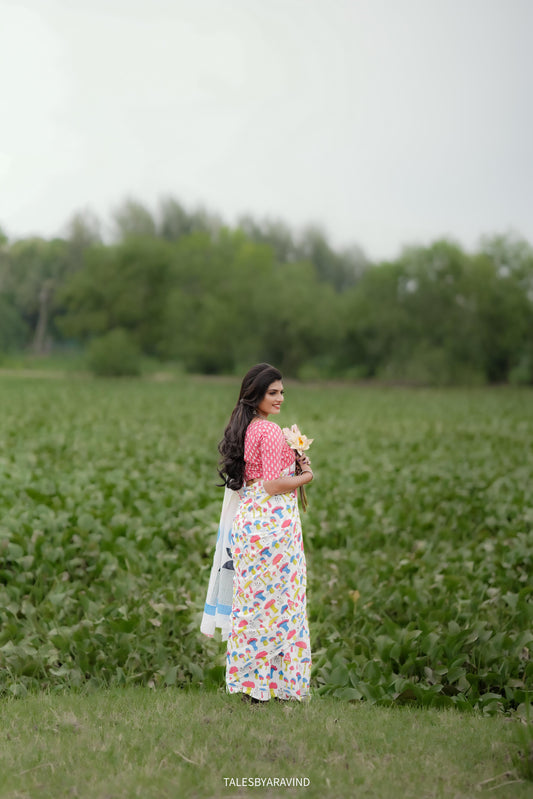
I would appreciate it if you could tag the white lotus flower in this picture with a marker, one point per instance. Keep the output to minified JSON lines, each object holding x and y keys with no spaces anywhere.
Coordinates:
{"x":296,"y":440}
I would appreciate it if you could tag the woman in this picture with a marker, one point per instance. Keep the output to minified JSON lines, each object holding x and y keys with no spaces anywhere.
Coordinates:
{"x":268,"y":652}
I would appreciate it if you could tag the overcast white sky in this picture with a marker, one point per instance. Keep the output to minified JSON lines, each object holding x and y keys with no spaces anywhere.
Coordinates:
{"x":386,"y":121}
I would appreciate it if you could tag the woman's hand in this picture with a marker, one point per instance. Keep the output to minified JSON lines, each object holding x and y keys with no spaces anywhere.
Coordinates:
{"x":304,"y":467}
{"x":305,"y":474}
{"x":302,"y":461}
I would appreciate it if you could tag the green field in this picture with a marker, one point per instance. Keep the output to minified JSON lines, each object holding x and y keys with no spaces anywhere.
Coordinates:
{"x":419,"y":537}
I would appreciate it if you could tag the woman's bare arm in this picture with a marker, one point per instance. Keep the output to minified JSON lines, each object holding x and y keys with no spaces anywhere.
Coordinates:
{"x":282,"y":485}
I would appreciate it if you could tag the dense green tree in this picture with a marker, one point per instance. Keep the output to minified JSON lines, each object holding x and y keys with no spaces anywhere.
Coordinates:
{"x":180,"y":285}
{"x":436,"y":315}
{"x":215,"y":313}
{"x":441,"y":345}
{"x":512,"y":258}
{"x":376,"y":327}
{"x":13,"y":331}
{"x":34,"y":272}
{"x":132,"y":219}
{"x":300,"y":329}
{"x":273,"y":233}
{"x":121,"y":286}
{"x":340,"y":269}
{"x":82,"y":232}
{"x":176,"y":221}
{"x":503,"y":315}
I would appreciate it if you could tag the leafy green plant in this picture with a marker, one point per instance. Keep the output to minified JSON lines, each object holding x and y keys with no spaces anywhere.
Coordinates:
{"x":419,"y":538}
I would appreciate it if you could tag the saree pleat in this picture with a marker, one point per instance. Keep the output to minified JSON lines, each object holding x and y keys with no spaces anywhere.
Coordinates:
{"x":268,"y":652}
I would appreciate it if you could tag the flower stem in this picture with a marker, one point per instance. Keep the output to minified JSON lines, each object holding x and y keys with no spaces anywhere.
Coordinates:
{"x":303,"y":495}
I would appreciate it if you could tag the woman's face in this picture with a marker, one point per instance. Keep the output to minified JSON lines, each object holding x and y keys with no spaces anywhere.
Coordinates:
{"x":271,"y":402}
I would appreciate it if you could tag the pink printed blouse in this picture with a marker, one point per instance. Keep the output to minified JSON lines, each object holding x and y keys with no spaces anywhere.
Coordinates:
{"x":266,"y":453}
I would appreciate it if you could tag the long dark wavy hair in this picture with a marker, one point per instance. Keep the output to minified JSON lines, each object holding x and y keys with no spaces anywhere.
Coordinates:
{"x":253,"y":388}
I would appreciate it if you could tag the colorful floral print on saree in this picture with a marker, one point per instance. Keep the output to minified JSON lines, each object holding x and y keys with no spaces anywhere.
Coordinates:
{"x":268,"y":652}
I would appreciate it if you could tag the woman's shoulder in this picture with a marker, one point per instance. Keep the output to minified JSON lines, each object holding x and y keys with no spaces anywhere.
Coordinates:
{"x":266,"y":424}
{"x":264,"y":427}
{"x":270,"y":431}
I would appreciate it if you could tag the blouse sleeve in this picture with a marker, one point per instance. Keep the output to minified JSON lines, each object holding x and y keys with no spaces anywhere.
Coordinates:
{"x":272,"y":446}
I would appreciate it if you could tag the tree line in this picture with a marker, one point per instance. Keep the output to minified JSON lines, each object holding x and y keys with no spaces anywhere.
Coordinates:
{"x":180,"y":285}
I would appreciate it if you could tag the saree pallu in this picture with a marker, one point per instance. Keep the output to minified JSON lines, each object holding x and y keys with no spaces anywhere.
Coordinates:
{"x":268,"y":652}
{"x":217,"y":608}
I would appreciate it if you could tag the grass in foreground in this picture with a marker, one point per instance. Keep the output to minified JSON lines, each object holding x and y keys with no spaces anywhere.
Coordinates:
{"x":136,"y":742}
